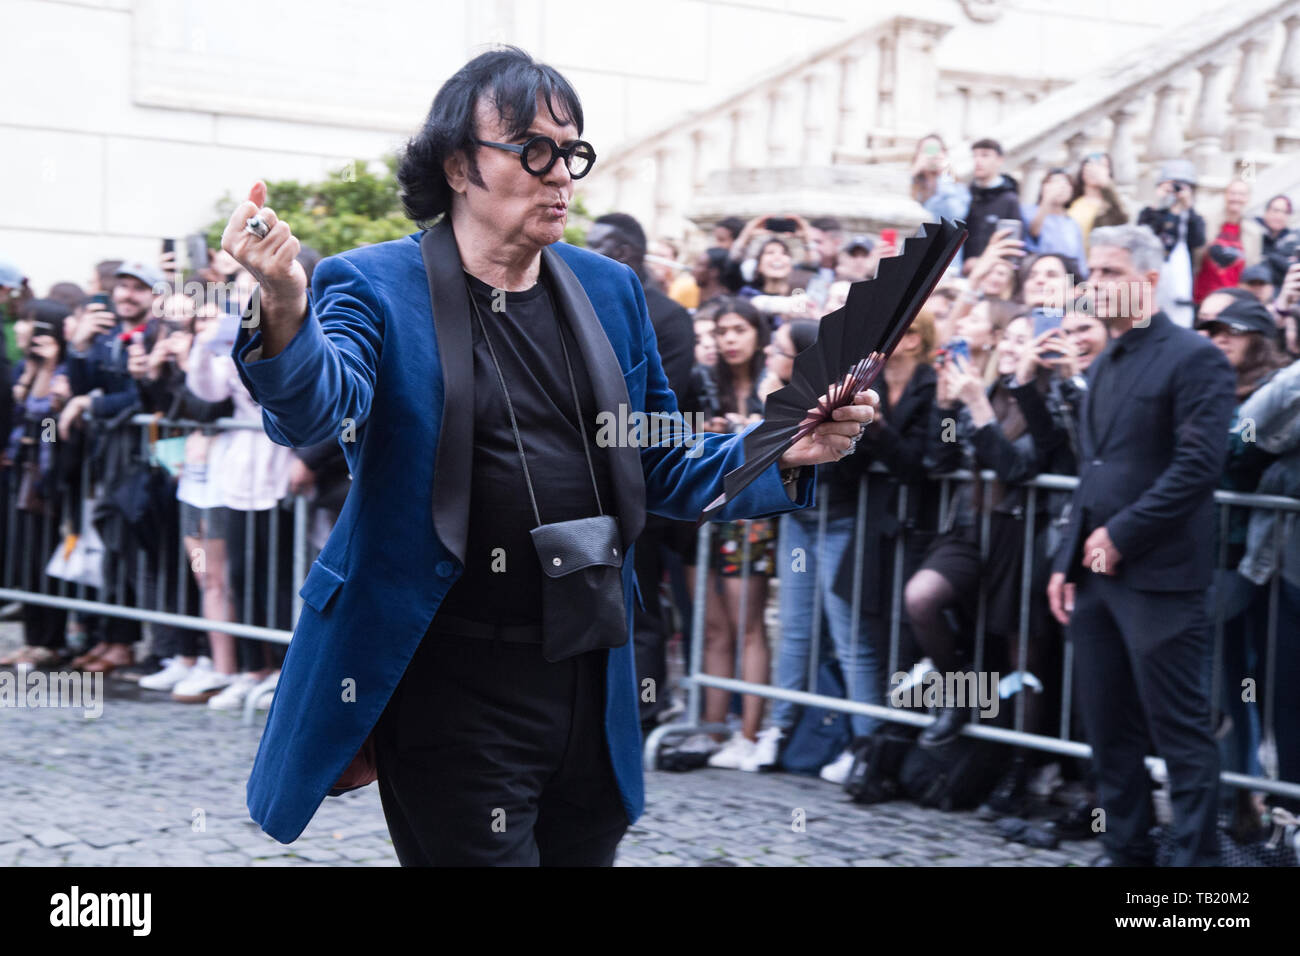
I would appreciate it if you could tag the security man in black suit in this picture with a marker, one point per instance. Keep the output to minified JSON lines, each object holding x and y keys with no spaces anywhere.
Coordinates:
{"x":1129,"y":579}
{"x":618,"y":236}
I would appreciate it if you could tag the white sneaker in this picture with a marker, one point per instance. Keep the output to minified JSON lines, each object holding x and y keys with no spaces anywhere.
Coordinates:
{"x":765,"y":750}
{"x":232,"y":698}
{"x":699,"y":744}
{"x":837,"y":771}
{"x":173,"y":673}
{"x":734,"y":753}
{"x":202,"y":684}
{"x":264,"y":692}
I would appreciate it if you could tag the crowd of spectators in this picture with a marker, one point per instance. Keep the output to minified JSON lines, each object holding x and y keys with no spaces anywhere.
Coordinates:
{"x":991,"y":375}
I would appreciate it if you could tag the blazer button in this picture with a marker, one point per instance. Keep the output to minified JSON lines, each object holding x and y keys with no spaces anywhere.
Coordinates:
{"x":1096,"y":461}
{"x":445,"y":569}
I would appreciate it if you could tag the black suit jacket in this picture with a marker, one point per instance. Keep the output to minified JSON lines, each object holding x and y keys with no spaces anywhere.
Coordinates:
{"x":1148,"y":473}
{"x":675,"y":334}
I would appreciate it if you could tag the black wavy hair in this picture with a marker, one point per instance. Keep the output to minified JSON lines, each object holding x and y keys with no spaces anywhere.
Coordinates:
{"x":514,"y":80}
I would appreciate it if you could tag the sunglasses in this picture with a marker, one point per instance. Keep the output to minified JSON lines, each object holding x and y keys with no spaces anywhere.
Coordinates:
{"x":538,"y":154}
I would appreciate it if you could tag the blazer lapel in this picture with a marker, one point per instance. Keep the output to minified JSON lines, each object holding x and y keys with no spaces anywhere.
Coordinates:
{"x":609,"y":388}
{"x":449,"y":299}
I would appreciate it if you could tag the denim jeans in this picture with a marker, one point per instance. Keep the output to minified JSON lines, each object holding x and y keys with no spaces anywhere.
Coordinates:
{"x":855,"y":648}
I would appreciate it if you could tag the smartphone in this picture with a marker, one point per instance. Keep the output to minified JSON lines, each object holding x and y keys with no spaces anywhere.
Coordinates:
{"x":196,"y":247}
{"x":890,"y":236}
{"x":959,"y":348}
{"x":1015,"y":226}
{"x":169,"y":245}
{"x":102,"y":298}
{"x":780,"y":225}
{"x":1045,"y":319}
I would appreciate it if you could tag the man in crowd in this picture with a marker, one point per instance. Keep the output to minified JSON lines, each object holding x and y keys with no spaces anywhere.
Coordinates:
{"x":1129,"y":579}
{"x":620,"y":237}
{"x":993,"y":196}
{"x":1181,"y":230}
{"x":827,"y":234}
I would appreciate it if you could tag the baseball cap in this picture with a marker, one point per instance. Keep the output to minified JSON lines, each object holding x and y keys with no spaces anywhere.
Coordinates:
{"x":1178,"y":170}
{"x":149,"y":275}
{"x":1259,"y":272}
{"x":865,"y":243}
{"x":1244,"y":315}
{"x":10,"y":275}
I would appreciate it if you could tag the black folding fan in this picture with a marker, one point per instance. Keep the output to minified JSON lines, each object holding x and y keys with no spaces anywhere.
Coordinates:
{"x":852,"y":345}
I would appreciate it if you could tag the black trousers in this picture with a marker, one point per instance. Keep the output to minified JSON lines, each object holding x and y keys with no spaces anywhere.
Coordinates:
{"x":1139,"y":671}
{"x":489,"y":755}
{"x":649,"y":629}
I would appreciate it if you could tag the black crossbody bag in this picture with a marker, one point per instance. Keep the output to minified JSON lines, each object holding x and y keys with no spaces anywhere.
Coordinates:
{"x":583,"y":608}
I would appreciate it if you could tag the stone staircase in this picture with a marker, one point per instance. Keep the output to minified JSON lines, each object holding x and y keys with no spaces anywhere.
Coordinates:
{"x":833,"y":131}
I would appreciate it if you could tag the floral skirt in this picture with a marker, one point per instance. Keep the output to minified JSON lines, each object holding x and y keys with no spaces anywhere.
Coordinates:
{"x":738,"y":544}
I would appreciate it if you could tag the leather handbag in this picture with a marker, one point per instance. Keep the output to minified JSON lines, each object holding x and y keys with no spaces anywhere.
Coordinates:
{"x":583,"y":606}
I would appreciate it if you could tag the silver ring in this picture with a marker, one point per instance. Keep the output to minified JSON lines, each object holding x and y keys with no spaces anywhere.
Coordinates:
{"x":257,"y":227}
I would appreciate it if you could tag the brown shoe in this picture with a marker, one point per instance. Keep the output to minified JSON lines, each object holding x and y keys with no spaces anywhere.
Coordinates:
{"x":16,"y":657}
{"x":119,"y":655}
{"x":80,"y":662}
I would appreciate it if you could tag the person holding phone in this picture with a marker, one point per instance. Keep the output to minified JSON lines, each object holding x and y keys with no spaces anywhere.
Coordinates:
{"x":1181,"y":230}
{"x":36,"y":466}
{"x":1048,"y":227}
{"x":933,"y":185}
{"x":99,"y":360}
{"x":993,"y":196}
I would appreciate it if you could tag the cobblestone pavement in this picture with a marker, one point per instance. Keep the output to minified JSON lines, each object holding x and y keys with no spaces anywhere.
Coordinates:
{"x":157,"y":783}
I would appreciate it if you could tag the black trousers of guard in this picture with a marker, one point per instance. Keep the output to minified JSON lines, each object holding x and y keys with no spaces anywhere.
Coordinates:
{"x":1139,"y":667}
{"x":488,"y":755}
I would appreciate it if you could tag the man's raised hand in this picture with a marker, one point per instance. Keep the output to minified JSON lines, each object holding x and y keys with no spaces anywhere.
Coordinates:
{"x":272,"y":262}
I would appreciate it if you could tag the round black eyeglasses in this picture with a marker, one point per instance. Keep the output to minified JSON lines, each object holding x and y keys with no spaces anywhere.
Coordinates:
{"x":538,"y":154}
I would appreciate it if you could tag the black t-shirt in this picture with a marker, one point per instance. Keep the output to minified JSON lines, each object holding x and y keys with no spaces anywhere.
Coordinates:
{"x":525,"y":336}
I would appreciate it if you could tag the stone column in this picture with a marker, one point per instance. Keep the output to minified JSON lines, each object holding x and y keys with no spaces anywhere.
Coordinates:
{"x":1165,"y":141}
{"x":815,"y":149}
{"x":1122,"y":155}
{"x":1286,"y":93}
{"x":778,"y":145}
{"x":1249,"y":100}
{"x":1210,"y":123}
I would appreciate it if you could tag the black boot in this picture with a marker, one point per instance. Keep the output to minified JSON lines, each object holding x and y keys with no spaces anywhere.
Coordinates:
{"x":946,"y":727}
{"x":1010,"y":796}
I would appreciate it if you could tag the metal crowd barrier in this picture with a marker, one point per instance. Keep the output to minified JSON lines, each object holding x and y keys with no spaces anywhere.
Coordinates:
{"x":696,"y":679}
{"x":165,"y":593}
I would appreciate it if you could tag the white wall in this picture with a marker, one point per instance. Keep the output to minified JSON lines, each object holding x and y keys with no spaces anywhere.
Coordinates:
{"x":126,"y":120}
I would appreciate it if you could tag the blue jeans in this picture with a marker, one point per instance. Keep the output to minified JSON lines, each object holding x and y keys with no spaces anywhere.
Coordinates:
{"x":855,"y":648}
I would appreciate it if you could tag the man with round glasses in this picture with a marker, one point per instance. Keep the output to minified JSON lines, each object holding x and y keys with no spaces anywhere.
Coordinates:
{"x":463,"y":369}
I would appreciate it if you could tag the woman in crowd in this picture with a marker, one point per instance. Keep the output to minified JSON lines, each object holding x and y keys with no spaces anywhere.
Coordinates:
{"x":1279,"y":242}
{"x":250,"y":474}
{"x":1094,"y":201}
{"x":743,"y":552}
{"x":1048,"y":228}
{"x":1243,"y":331}
{"x":1275,"y":552}
{"x":933,"y":185}
{"x":818,"y":568}
{"x":777,"y":290}
{"x":992,"y":277}
{"x":36,"y":472}
{"x":976,"y":424}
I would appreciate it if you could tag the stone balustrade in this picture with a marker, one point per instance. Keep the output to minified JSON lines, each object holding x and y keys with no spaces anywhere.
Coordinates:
{"x":1222,"y":90}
